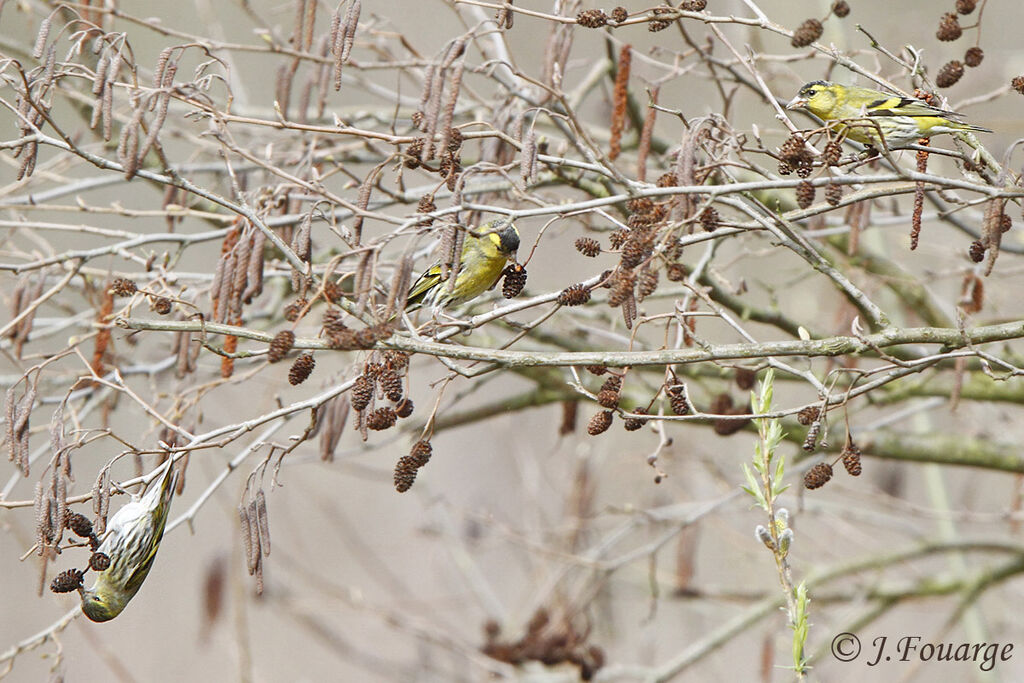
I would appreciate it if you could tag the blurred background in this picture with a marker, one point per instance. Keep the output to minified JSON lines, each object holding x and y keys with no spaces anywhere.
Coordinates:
{"x":639,"y":547}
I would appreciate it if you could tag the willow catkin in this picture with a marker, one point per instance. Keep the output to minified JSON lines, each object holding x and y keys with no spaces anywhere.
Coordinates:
{"x":334,"y":33}
{"x":238,"y":285}
{"x":644,"y":146}
{"x":254,"y":276}
{"x":41,"y":37}
{"x":298,"y":24}
{"x":101,"y":500}
{"x":400,"y":284}
{"x":161,"y":65}
{"x":128,"y":146}
{"x":425,"y":95}
{"x":620,"y":101}
{"x":528,"y":158}
{"x":247,"y":538}
{"x":100,"y":79}
{"x":264,"y":521}
{"x":107,"y":112}
{"x":349,"y":29}
{"x":224,"y":295}
{"x":448,"y":113}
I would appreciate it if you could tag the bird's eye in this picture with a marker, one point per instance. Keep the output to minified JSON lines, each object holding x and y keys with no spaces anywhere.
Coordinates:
{"x":812,"y":93}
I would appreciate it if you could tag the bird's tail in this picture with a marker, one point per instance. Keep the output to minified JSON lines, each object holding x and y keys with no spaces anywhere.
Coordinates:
{"x":975,"y":129}
{"x":160,"y":492}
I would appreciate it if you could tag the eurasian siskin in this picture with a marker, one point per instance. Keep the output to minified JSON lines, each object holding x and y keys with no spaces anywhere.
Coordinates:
{"x":131,"y":540}
{"x":483,"y":259}
{"x":865,"y":113}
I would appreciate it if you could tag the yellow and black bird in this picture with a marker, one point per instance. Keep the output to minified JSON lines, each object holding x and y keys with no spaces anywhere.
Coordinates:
{"x":481,"y":264}
{"x":900,"y":120}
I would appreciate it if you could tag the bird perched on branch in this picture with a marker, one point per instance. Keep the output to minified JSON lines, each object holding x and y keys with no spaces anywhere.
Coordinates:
{"x":901,"y":120}
{"x":132,"y":538}
{"x":485,"y":251}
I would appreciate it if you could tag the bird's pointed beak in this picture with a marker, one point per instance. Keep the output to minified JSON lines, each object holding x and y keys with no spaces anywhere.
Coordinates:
{"x":797,"y":103}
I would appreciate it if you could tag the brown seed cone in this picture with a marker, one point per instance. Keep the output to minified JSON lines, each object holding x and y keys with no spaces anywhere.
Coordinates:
{"x":832,"y":153}
{"x":414,"y":151}
{"x":588,"y":246}
{"x":667,"y":180}
{"x":804,"y":194}
{"x":965,"y":6}
{"x":122,"y":286}
{"x":382,"y":331}
{"x":332,"y":323}
{"x":632,"y":424}
{"x":647,"y":282}
{"x":676,"y":272}
{"x":642,"y":205}
{"x":280,"y":345}
{"x":574,"y":295}
{"x":454,"y":140}
{"x":973,"y":56}
{"x":79,"y":524}
{"x":67,"y":581}
{"x":405,"y":474}
{"x":634,"y":251}
{"x":301,"y":369}
{"x":618,"y":238}
{"x":1017,"y":83}
{"x":333,"y":292}
{"x":840,"y":8}
{"x":515,"y":280}
{"x":613,"y":383}
{"x":976,"y":251}
{"x":344,"y":340}
{"x":676,"y":399}
{"x":620,"y":14}
{"x":795,"y":155}
{"x":365,"y":338}
{"x":294,"y":309}
{"x":381,"y":419}
{"x":426,"y":204}
{"x":592,"y":18}
{"x":162,"y":305}
{"x":655,"y":25}
{"x":596,"y":370}
{"x":745,"y":378}
{"x":362,"y":392}
{"x":949,"y":28}
{"x":600,"y":423}
{"x":709,"y":219}
{"x":608,"y":399}
{"x":396,"y":360}
{"x":851,"y":460}
{"x":420,"y":453}
{"x":833,"y":194}
{"x":808,"y":415}
{"x":391,"y":383}
{"x":818,"y":475}
{"x":622,"y":289}
{"x":694,"y":5}
{"x":99,"y":562}
{"x":807,"y":33}
{"x":949,"y":74}
{"x":404,"y":407}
